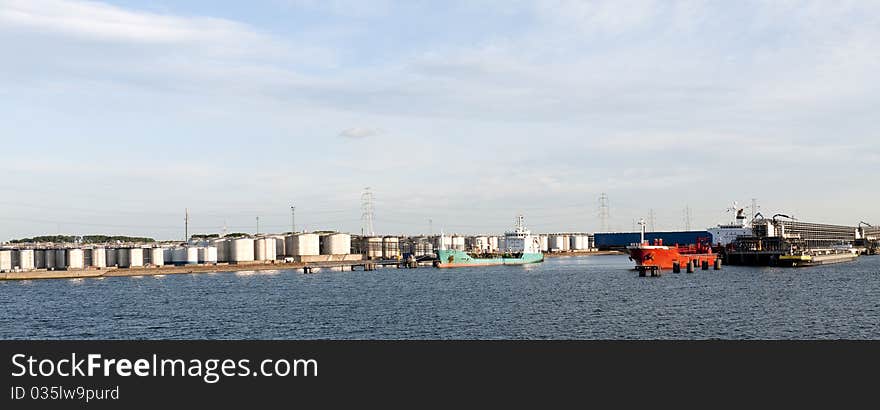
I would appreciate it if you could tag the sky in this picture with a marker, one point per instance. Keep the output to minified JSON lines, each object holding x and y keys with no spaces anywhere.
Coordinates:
{"x":117,"y":116}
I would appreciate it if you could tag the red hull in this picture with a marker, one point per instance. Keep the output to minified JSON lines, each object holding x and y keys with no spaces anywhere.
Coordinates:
{"x":665,"y":256}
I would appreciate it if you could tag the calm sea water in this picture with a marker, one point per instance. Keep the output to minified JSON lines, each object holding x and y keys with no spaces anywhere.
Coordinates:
{"x":594,"y":297}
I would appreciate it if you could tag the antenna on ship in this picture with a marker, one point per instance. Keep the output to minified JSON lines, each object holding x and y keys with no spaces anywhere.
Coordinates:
{"x":642,"y":231}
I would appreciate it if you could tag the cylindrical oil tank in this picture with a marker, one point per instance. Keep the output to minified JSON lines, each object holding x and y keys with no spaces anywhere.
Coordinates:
{"x":178,"y":255}
{"x":270,"y":249}
{"x":336,"y":244}
{"x":306,"y":244}
{"x":555,"y":243}
{"x":5,"y":260}
{"x":391,"y":247}
{"x":544,"y":240}
{"x":210,"y":255}
{"x":566,"y":243}
{"x":26,"y":259}
{"x":191,"y":255}
{"x":576,"y":242}
{"x":136,"y":257}
{"x":374,"y":247}
{"x":123,"y":257}
{"x":442,"y":242}
{"x":493,"y":243}
{"x":289,"y":244}
{"x":480,"y":243}
{"x":168,"y":255}
{"x":50,"y":258}
{"x":241,"y":250}
{"x":111,"y":255}
{"x":75,"y":259}
{"x":280,"y":247}
{"x":60,"y":258}
{"x":260,"y":249}
{"x":458,"y":243}
{"x":157,"y":257}
{"x":99,"y":258}
{"x":222,"y":246}
{"x":40,"y":258}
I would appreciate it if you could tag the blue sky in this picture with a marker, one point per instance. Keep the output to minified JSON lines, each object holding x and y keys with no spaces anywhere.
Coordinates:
{"x":118,"y":115}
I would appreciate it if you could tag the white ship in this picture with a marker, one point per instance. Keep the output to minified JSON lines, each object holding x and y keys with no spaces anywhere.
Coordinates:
{"x":724,"y":234}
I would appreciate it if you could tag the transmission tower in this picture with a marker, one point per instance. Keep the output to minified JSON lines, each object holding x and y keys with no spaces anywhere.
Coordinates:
{"x":603,"y":211}
{"x":367,"y":212}
{"x":687,"y":218}
{"x":754,"y":208}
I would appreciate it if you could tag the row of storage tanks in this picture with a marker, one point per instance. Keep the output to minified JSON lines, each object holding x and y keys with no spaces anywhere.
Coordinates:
{"x":227,"y":250}
{"x":79,"y":258}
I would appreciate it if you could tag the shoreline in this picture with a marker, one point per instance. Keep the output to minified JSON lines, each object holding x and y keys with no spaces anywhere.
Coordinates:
{"x":147,"y":271}
{"x":196,"y":269}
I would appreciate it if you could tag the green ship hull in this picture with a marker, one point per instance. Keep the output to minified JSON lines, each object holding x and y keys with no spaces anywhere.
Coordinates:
{"x":460,"y":259}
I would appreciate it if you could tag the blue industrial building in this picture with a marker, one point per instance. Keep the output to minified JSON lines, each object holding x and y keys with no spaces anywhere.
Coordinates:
{"x":620,"y":240}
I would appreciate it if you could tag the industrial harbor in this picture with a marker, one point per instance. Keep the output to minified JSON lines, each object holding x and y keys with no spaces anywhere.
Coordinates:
{"x":757,"y":241}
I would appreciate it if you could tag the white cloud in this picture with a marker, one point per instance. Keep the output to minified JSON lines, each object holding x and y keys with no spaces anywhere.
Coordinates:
{"x":359,"y":133}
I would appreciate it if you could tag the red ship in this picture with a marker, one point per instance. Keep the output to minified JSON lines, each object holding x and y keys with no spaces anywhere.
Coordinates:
{"x":664,"y":256}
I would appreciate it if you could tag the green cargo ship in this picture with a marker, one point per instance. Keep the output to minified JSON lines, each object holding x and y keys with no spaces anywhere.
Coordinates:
{"x":520,"y":248}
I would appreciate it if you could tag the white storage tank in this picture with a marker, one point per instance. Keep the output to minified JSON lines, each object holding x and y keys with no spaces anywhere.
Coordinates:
{"x":111,"y":256}
{"x":566,"y":243}
{"x":99,"y":257}
{"x":208,"y":255}
{"x":493,"y":243}
{"x":270,"y":249}
{"x":40,"y":258}
{"x":544,"y":240}
{"x":576,"y":242}
{"x":157,"y":257}
{"x":136,"y":257}
{"x":391,"y":247}
{"x":260,"y":245}
{"x":458,"y":243}
{"x":168,"y":255}
{"x":5,"y":260}
{"x":75,"y":259}
{"x":26,"y":259}
{"x":555,"y":243}
{"x":241,"y":250}
{"x":123,"y":257}
{"x":306,"y":244}
{"x":443,"y":242}
{"x":336,"y":244}
{"x":191,"y":255}
{"x":481,"y":243}
{"x":374,"y":247}
{"x":60,"y":258}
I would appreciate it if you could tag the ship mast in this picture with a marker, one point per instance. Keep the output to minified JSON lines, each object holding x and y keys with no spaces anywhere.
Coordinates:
{"x":642,"y":233}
